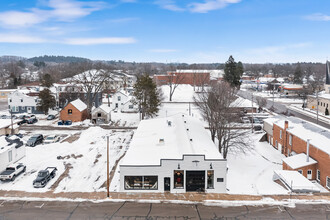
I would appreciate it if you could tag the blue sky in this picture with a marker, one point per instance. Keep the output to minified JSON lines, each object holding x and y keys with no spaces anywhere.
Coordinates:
{"x":191,"y":31}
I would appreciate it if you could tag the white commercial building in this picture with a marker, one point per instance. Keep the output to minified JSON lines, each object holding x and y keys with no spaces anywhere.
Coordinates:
{"x":173,"y":154}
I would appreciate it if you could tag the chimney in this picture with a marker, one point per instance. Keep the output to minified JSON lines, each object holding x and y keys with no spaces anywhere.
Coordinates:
{"x":307,"y":151}
{"x":286,"y":125}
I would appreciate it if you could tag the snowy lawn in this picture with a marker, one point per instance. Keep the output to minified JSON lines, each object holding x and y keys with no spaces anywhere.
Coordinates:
{"x":252,"y":173}
{"x":85,"y":160}
{"x":183,"y":93}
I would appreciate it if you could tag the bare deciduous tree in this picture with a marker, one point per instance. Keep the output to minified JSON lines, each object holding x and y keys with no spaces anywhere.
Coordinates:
{"x":216,"y":106}
{"x":173,"y":81}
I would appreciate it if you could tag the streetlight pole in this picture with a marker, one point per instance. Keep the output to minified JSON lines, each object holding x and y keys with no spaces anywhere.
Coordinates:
{"x":252,"y":113}
{"x":317,"y":107}
{"x":108,"y":178}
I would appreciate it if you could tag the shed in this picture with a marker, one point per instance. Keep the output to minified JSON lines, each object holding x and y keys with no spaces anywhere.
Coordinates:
{"x":101,"y":115}
{"x":74,"y":111}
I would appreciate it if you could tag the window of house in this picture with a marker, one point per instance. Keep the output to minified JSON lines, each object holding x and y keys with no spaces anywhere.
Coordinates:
{"x":178,"y":178}
{"x":141,"y":182}
{"x":23,"y":107}
{"x":280,"y":134}
{"x":300,"y":171}
{"x":210,"y":179}
{"x":318,"y":103}
{"x":328,"y":182}
{"x":99,"y":115}
{"x":10,"y":100}
{"x":21,"y":100}
{"x":130,"y":106}
{"x":119,"y":98}
{"x":116,"y":105}
{"x":10,"y":156}
{"x":2,"y":94}
{"x":69,"y":111}
{"x":290,"y":139}
{"x":318,"y":175}
{"x":36,"y":100}
{"x":14,"y":109}
{"x":309,"y":172}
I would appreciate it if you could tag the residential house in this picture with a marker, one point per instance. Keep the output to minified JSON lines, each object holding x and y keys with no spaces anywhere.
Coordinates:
{"x":74,"y":111}
{"x":123,"y":101}
{"x":101,"y":114}
{"x":305,"y":144}
{"x":174,"y":154}
{"x":22,"y":103}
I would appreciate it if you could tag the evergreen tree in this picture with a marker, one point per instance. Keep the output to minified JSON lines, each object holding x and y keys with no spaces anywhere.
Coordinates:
{"x":47,"y":80}
{"x":298,"y":75}
{"x":47,"y":101}
{"x":233,"y":72}
{"x":326,"y":111}
{"x":147,"y":96}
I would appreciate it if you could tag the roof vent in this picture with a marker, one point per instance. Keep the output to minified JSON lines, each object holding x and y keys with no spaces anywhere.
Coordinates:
{"x":187,"y":129}
{"x":185,"y":121}
{"x":161,"y":140}
{"x":190,"y":139}
{"x":169,"y":123}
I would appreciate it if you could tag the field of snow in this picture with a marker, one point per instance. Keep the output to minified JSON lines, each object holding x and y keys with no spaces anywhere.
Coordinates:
{"x":85,"y":160}
{"x":252,"y":173}
{"x":183,"y":93}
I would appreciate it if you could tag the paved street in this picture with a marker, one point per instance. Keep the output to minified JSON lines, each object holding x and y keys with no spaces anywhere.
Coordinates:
{"x":10,"y":210}
{"x":282,"y":109}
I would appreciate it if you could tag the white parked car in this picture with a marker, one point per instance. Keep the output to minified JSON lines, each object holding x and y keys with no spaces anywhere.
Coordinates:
{"x":51,"y":139}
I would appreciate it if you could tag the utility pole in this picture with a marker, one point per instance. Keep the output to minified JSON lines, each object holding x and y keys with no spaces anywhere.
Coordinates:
{"x":273,"y":96}
{"x":317,"y":107}
{"x":108,"y":180}
{"x":252,"y":113}
{"x":11,"y":118}
{"x":189,"y":109}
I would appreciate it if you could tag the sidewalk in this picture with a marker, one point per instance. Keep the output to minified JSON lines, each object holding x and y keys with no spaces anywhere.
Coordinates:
{"x":163,"y":197}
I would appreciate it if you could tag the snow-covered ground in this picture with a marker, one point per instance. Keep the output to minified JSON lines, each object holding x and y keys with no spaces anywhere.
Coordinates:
{"x":86,"y":156}
{"x":183,"y":93}
{"x":252,"y":173}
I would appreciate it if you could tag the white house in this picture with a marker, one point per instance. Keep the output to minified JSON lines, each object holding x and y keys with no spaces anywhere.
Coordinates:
{"x":12,"y":150}
{"x":21,"y":103}
{"x":173,"y":154}
{"x":123,"y":101}
{"x":101,"y":114}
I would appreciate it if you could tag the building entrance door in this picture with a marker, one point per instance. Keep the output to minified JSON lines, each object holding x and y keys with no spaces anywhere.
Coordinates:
{"x":167,"y":184}
{"x":309,"y":174}
{"x":29,"y":110}
{"x":195,"y":181}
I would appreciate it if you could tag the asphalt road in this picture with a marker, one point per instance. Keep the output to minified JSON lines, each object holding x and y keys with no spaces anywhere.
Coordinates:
{"x":282,"y":109}
{"x":12,"y":210}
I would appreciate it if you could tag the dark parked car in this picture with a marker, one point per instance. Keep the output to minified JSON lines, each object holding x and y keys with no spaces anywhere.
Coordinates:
{"x":67,"y":122}
{"x":23,"y":119}
{"x":35,"y":140}
{"x":44,"y":176}
{"x":32,"y":120}
{"x":50,"y":117}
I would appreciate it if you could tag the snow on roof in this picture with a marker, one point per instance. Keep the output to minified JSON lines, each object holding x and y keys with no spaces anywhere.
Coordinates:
{"x":244,"y":103}
{"x":295,"y":180}
{"x":146,"y":147}
{"x":298,"y":161}
{"x":80,"y":105}
{"x":215,"y":74}
{"x":105,"y":108}
{"x":192,"y":71}
{"x":318,"y":135}
{"x":325,"y":95}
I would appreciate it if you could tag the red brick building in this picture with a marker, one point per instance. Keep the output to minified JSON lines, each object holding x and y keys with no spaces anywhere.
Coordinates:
{"x":291,"y":137}
{"x":191,"y":77}
{"x":74,"y":111}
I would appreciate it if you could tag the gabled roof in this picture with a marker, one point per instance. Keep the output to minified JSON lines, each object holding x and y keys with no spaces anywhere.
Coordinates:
{"x":78,"y":104}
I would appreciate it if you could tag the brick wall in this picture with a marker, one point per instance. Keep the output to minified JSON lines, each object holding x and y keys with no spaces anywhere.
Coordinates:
{"x":196,"y":79}
{"x":304,"y":169}
{"x":75,"y":116}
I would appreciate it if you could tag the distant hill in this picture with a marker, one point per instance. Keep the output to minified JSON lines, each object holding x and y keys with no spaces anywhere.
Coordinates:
{"x":6,"y":59}
{"x":58,"y":59}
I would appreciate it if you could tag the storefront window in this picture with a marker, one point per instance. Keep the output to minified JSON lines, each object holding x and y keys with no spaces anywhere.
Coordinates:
{"x":178,"y":178}
{"x":141,"y":182}
{"x":210,"y":179}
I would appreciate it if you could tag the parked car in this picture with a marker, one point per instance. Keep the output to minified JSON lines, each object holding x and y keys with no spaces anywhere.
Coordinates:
{"x":44,"y":176}
{"x":245,"y":120}
{"x":52,"y":139}
{"x":257,"y":127}
{"x":32,"y":120}
{"x":256,"y":121}
{"x":12,"y":172}
{"x":35,"y":140}
{"x":23,"y":119}
{"x":67,"y":122}
{"x":50,"y":117}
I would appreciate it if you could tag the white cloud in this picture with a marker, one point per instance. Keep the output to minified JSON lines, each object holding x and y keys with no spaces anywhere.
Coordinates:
{"x":169,"y":5}
{"x":17,"y":38}
{"x":163,"y":50}
{"x":195,"y":7}
{"x":104,"y":40}
{"x":61,"y":10}
{"x":210,"y":5}
{"x":318,"y":17}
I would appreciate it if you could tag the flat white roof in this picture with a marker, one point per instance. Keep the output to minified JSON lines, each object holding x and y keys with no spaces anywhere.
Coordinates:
{"x":146,"y":148}
{"x":295,"y":181}
{"x":299,"y":160}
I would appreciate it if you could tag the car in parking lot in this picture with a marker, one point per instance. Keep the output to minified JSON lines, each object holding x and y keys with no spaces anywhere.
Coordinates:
{"x":50,"y":117}
{"x":12,"y":172}
{"x":35,"y":140}
{"x":52,"y":139}
{"x":32,"y":120}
